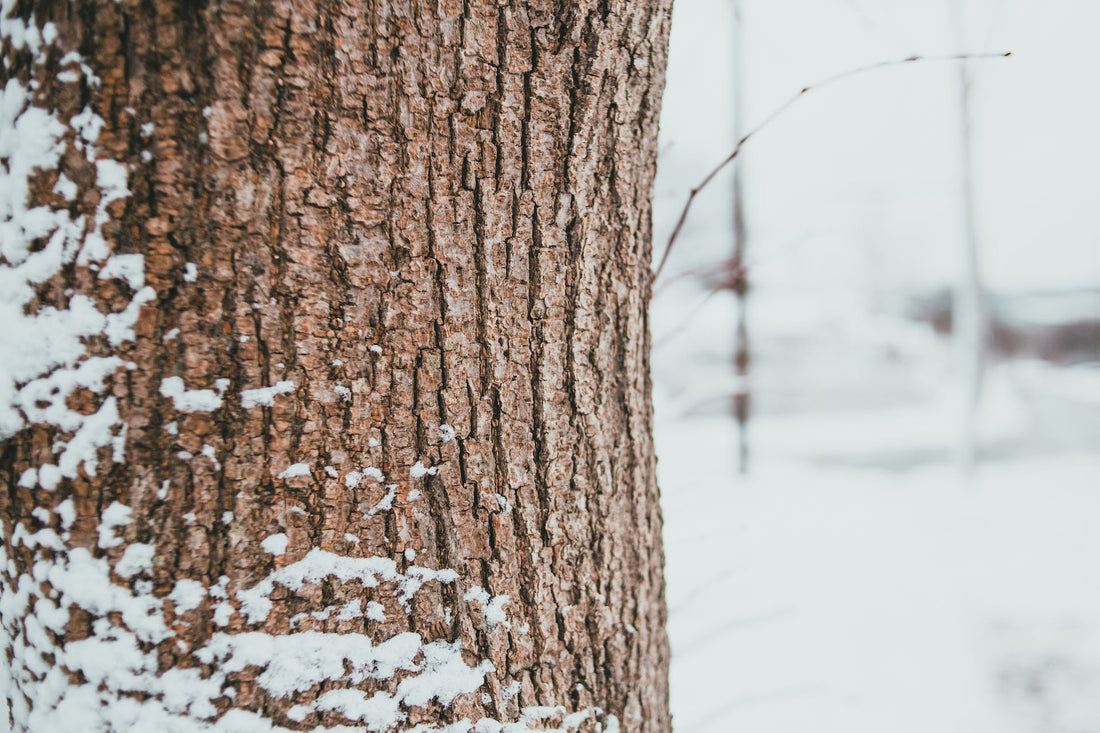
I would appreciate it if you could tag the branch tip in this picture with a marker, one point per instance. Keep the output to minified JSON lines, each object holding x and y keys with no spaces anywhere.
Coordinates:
{"x":783,"y":108}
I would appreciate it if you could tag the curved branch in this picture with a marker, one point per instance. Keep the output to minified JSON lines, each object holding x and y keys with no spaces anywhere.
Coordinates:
{"x":783,"y":108}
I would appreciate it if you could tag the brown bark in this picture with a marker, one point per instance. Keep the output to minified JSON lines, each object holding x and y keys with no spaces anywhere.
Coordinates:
{"x":433,"y":219}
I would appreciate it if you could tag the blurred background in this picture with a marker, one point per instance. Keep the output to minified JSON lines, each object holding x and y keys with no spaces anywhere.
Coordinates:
{"x":899,"y":302}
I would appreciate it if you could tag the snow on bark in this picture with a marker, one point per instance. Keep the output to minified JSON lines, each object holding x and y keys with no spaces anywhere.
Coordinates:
{"x":88,"y":636}
{"x":122,"y":686}
{"x":265,"y":396}
{"x":191,"y":400}
{"x":45,"y":357}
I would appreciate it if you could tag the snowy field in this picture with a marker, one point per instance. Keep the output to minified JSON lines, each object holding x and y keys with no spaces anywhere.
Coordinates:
{"x":825,"y":597}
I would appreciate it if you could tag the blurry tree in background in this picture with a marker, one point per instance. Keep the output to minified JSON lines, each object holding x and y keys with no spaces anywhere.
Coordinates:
{"x":742,"y":396}
{"x":325,"y":378}
{"x":969,"y":305}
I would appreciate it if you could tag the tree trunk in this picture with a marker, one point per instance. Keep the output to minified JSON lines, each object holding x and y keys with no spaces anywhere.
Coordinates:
{"x":324,"y":389}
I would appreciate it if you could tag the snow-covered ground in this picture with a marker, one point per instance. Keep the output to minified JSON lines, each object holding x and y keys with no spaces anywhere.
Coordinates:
{"x":826,"y":597}
{"x":855,"y":580}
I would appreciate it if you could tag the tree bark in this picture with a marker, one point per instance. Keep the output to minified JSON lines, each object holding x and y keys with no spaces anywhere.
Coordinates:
{"x":327,"y":397}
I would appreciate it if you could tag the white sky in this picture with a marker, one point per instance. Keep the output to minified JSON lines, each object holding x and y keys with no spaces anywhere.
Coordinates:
{"x":857,"y":186}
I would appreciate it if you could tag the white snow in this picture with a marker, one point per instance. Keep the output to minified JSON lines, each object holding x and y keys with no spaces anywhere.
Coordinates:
{"x":386,"y":502}
{"x":184,"y":400}
{"x":265,"y":396}
{"x":320,"y":564}
{"x":114,"y":516}
{"x":350,"y":610}
{"x":494,"y":612}
{"x":137,"y":558}
{"x":223,"y":613}
{"x":49,"y":476}
{"x":275,"y":544}
{"x":66,"y":187}
{"x":835,"y":597}
{"x":130,"y":268}
{"x":476,"y":593}
{"x":492,"y":606}
{"x":295,"y":470}
{"x":209,"y":452}
{"x":67,"y":513}
{"x":187,"y":595}
{"x":419,"y":470}
{"x":28,"y":478}
{"x":45,"y":357}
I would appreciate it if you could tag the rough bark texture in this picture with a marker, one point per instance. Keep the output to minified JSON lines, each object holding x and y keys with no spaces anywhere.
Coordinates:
{"x":433,"y":218}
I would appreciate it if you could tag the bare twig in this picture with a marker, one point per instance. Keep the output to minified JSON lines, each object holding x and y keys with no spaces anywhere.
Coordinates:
{"x":783,"y":108}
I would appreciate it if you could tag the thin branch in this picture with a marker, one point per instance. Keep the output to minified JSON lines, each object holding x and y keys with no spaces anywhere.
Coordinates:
{"x":783,"y":108}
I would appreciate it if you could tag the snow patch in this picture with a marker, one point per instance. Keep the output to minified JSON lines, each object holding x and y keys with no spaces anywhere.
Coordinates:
{"x":295,"y":470}
{"x":265,"y":396}
{"x":319,"y":565}
{"x":492,"y":607}
{"x":187,"y":595}
{"x":275,"y":544}
{"x":44,"y":359}
{"x":116,"y":515}
{"x":136,"y":559}
{"x":386,"y":502}
{"x":184,"y":400}
{"x":419,"y":470}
